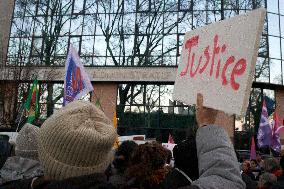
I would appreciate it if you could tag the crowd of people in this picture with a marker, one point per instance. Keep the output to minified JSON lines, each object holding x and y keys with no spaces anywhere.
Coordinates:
{"x":263,"y":173}
{"x":74,"y":149}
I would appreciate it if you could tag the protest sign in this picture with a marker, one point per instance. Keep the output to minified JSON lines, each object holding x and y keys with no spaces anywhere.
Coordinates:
{"x":218,"y":61}
{"x":169,"y":146}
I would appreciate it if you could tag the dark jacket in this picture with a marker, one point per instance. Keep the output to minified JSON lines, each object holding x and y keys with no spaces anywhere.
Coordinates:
{"x":94,"y":181}
{"x":280,"y":181}
{"x":217,"y":161}
{"x":250,"y":183}
{"x":175,"y":179}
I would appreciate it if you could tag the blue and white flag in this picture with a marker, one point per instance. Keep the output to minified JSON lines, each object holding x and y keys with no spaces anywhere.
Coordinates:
{"x":264,"y":134}
{"x":76,"y":81}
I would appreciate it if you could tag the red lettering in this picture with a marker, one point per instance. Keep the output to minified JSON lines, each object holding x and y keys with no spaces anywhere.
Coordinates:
{"x":218,"y":69}
{"x":229,"y":61}
{"x":188,"y":45}
{"x":192,"y":62}
{"x":206,"y":53}
{"x":238,"y":70}
{"x":215,"y":52}
{"x":219,"y":62}
{"x":221,"y":68}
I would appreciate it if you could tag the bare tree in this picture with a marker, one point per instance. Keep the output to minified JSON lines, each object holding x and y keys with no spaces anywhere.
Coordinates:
{"x":47,"y":44}
{"x":134,"y":32}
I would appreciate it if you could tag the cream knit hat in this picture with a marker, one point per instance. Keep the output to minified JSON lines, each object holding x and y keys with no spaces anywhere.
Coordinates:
{"x":27,"y":142}
{"x":76,"y":140}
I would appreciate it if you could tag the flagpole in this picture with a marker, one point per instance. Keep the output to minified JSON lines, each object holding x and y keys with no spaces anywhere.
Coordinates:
{"x":20,"y":121}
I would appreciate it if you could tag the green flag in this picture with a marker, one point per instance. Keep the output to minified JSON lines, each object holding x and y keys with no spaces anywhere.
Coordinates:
{"x":31,"y":104}
{"x":98,"y":103}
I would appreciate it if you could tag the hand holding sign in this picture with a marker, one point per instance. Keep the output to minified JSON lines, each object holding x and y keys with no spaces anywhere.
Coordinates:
{"x":208,"y":116}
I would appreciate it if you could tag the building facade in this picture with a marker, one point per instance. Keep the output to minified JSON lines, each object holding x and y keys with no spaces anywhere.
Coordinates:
{"x":131,"y":49}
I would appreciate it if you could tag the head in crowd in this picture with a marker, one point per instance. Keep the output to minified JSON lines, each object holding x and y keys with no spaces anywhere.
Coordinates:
{"x":267,"y":180}
{"x":253,"y":164}
{"x":271,"y":165}
{"x":27,"y":142}
{"x":246,"y":166}
{"x":76,"y":140}
{"x":123,"y":154}
{"x":185,"y":156}
{"x":147,"y":165}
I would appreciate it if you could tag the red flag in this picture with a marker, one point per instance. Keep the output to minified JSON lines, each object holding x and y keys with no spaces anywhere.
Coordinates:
{"x":252,"y":149}
{"x":171,"y":140}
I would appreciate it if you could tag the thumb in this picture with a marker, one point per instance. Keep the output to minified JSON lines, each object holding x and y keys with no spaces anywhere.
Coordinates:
{"x":199,"y":102}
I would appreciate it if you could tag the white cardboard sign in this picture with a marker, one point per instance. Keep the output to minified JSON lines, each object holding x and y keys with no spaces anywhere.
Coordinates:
{"x":169,"y":146}
{"x":218,"y":61}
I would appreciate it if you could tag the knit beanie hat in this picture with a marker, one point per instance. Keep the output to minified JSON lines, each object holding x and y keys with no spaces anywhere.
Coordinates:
{"x":27,"y":142}
{"x":76,"y":140}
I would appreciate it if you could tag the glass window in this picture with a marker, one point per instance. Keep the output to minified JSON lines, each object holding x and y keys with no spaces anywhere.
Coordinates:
{"x":262,"y":70}
{"x":273,"y":24}
{"x":272,"y":6}
{"x":282,"y":25}
{"x":281,"y":7}
{"x":274,"y":47}
{"x":87,"y":45}
{"x":275,"y":71}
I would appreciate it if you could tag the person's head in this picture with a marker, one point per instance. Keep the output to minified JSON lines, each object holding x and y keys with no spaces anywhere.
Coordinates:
{"x":271,"y":165}
{"x":253,"y":163}
{"x":258,"y":158}
{"x":267,"y":180}
{"x":246,"y":166}
{"x":76,"y":140}
{"x":123,"y":154}
{"x":27,"y":142}
{"x":185,"y":156}
{"x":147,"y":164}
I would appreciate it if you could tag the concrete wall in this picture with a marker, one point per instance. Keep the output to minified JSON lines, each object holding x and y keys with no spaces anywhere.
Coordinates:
{"x":279,"y":97}
{"x":7,"y":89}
{"x":6,"y":11}
{"x":106,"y":94}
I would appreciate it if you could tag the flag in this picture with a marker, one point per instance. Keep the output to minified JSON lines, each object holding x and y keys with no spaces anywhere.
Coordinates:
{"x":275,"y":141}
{"x":76,"y":81}
{"x":98,"y":103}
{"x":252,"y":149}
{"x":170,"y":139}
{"x":31,"y":104}
{"x":264,"y":134}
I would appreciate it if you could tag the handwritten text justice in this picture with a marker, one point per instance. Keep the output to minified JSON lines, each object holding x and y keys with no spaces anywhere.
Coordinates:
{"x":238,"y":69}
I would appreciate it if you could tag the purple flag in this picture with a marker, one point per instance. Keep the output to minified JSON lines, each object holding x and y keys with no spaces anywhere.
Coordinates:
{"x":264,"y":134}
{"x":76,"y":81}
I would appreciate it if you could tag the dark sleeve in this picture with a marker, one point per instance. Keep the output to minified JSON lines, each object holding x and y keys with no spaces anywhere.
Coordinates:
{"x":190,"y":187}
{"x":18,"y":184}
